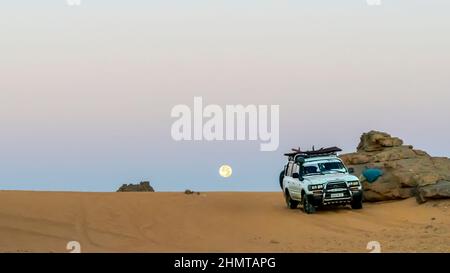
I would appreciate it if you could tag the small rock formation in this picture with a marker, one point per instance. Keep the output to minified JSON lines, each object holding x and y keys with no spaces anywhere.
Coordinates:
{"x":191,"y":192}
{"x":144,"y":186}
{"x":407,"y":172}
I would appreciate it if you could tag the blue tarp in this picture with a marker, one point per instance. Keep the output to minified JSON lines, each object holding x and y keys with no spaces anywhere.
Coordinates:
{"x":372,"y":174}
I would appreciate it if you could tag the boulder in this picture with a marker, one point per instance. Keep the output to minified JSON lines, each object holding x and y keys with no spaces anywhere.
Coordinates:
{"x":143,"y":186}
{"x":439,"y":190}
{"x":376,"y":141}
{"x":407,"y":172}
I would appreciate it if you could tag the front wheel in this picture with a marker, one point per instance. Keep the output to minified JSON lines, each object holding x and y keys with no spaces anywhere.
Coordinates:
{"x":291,"y":204}
{"x":307,"y":206}
{"x":357,"y":203}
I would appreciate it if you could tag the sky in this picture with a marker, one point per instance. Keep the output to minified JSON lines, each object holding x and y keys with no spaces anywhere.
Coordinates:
{"x":86,"y":91}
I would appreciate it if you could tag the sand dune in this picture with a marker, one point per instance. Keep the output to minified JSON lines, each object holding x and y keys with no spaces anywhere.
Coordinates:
{"x":212,"y":222}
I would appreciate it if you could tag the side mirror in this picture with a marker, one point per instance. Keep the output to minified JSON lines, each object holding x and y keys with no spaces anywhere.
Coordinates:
{"x":297,"y":176}
{"x":351,"y":170}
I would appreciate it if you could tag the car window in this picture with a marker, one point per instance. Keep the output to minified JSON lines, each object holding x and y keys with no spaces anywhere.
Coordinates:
{"x":329,"y":166}
{"x":289,"y":169}
{"x":310,"y":169}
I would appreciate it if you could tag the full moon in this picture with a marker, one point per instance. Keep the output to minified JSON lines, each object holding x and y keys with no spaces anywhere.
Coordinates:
{"x":225,"y":171}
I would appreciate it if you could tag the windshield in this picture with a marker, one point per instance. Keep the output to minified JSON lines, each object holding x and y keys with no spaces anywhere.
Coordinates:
{"x":332,"y":166}
{"x":323,"y":167}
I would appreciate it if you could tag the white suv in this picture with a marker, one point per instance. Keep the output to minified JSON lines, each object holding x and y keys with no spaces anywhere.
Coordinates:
{"x":319,"y":178}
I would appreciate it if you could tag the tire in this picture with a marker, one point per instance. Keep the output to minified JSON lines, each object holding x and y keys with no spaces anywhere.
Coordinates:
{"x":291,"y":204}
{"x":308,"y":208}
{"x":357,"y":203}
{"x":281,"y":179}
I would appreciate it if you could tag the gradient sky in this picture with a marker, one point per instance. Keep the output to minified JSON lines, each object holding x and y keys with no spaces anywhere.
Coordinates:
{"x":86,"y":91}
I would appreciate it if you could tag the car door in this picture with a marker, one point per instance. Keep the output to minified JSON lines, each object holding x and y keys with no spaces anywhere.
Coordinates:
{"x":287,"y":181}
{"x":295,"y":185}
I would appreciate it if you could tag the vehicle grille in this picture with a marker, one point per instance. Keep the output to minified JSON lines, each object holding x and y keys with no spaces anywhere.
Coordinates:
{"x":336,"y":185}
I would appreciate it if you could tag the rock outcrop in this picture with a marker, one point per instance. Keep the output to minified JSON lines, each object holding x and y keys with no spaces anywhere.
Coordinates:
{"x":144,"y":186}
{"x":189,"y":192}
{"x":407,"y":172}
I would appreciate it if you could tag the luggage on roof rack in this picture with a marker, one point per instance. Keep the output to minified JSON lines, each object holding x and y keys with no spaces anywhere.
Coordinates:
{"x":313,"y":153}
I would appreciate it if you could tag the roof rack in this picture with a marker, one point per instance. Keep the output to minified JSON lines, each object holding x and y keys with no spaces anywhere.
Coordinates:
{"x":313,"y":152}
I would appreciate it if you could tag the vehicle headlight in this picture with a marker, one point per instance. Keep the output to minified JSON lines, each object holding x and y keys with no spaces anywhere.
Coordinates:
{"x":353,"y":183}
{"x":315,"y":187}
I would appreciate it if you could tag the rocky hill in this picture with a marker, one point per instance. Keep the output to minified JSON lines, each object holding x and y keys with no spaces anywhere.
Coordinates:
{"x":407,"y":172}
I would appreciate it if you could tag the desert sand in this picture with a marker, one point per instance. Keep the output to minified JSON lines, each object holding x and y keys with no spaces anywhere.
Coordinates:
{"x":212,"y":222}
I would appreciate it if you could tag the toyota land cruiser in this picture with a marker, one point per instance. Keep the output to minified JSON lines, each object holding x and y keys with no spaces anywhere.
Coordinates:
{"x":319,"y":178}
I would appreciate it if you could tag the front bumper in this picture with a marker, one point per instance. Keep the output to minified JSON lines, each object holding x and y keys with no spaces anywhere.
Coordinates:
{"x":325,"y":198}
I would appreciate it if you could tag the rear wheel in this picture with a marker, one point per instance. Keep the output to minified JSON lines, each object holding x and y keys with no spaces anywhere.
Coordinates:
{"x":281,"y":179}
{"x":291,"y":204}
{"x":307,"y":206}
